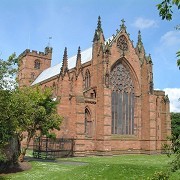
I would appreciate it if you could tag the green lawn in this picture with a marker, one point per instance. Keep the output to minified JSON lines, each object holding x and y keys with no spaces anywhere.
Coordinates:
{"x":110,"y":168}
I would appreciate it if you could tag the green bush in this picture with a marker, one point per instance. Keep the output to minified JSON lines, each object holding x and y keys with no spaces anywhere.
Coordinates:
{"x":161,"y":175}
{"x":175,"y":163}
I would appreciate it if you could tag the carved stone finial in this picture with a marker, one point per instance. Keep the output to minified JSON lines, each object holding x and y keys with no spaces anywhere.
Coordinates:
{"x":64,"y":67}
{"x":123,"y":21}
{"x":149,"y":59}
{"x":123,"y":27}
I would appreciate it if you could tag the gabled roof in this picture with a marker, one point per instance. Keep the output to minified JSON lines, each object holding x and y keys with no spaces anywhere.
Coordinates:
{"x":86,"y":56}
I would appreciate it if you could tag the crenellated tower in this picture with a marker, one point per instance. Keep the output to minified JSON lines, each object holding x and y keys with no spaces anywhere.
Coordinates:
{"x":31,"y":64}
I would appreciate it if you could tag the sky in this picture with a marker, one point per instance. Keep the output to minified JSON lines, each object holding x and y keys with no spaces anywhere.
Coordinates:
{"x":28,"y":24}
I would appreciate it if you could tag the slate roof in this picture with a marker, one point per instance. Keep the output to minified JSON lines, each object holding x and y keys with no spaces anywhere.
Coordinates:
{"x":86,"y":56}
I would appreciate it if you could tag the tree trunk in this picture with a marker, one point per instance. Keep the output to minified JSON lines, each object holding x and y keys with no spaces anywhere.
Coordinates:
{"x":23,"y":151}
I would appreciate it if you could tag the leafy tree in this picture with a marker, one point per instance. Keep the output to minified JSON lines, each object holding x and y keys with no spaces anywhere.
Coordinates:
{"x":165,"y":8}
{"x":33,"y":109}
{"x":8,"y":71}
{"x":166,"y":12}
{"x":174,"y":146}
{"x":175,"y":124}
{"x":7,"y":126}
{"x":26,"y":109}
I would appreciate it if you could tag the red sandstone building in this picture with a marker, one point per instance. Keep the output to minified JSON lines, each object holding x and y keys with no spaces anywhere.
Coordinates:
{"x":106,"y":95}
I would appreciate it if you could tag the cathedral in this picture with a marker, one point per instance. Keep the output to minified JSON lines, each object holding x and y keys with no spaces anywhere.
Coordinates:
{"x":105,"y":94}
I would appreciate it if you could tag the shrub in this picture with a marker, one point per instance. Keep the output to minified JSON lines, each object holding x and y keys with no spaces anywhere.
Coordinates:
{"x":160,"y":176}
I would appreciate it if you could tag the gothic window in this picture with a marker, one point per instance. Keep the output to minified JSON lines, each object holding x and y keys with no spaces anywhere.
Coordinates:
{"x":87,"y":79}
{"x":88,"y":123}
{"x":122,"y":101}
{"x":32,"y":75}
{"x":94,"y":93}
{"x":122,"y":43}
{"x":37,"y":64}
{"x":54,"y":90}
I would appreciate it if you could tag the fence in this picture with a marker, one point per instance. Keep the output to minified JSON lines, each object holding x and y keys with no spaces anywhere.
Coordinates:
{"x":48,"y":148}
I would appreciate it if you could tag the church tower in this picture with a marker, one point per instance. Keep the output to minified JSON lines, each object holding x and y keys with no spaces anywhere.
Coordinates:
{"x":31,"y":64}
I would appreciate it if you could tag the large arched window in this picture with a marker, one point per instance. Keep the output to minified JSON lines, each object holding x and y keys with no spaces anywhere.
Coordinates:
{"x":88,"y":123}
{"x":37,"y":64}
{"x":87,"y":79}
{"x":122,"y":100}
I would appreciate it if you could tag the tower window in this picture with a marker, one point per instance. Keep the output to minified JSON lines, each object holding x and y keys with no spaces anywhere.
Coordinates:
{"x":37,"y":64}
{"x":32,"y":76}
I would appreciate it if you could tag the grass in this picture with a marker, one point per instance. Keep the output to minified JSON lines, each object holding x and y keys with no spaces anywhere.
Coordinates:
{"x":100,"y":168}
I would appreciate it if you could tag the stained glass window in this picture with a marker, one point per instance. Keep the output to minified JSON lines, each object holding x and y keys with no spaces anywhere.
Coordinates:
{"x":122,"y":100}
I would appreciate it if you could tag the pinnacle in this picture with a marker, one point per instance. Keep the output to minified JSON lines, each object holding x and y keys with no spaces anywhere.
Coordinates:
{"x":65,"y":58}
{"x":79,"y":50}
{"x":99,"y":28}
{"x":139,"y":36}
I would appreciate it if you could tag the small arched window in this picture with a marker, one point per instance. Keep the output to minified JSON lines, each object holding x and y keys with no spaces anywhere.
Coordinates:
{"x":88,"y":123}
{"x":54,"y":89}
{"x":32,"y":75}
{"x":37,"y":64}
{"x":87,"y":79}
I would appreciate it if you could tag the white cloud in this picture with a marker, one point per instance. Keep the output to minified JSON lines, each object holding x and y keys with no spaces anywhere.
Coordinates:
{"x":174,"y":95}
{"x":142,"y":23}
{"x":171,"y":38}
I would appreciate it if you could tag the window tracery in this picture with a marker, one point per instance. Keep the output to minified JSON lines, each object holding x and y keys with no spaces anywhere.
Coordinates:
{"x":122,"y":43}
{"x":122,"y":97}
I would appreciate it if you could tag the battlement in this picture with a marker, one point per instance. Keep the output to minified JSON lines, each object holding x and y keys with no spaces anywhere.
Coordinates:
{"x":47,"y":51}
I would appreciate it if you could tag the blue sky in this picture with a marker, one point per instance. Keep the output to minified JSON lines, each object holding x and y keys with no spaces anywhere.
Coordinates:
{"x":28,"y":24}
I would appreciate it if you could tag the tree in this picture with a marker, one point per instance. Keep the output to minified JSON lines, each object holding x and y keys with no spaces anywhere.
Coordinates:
{"x":165,"y":8}
{"x":8,"y":71}
{"x":174,"y":146}
{"x":165,"y":12}
{"x":7,"y":126}
{"x":29,"y":109}
{"x":175,"y":124}
{"x":33,"y":109}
